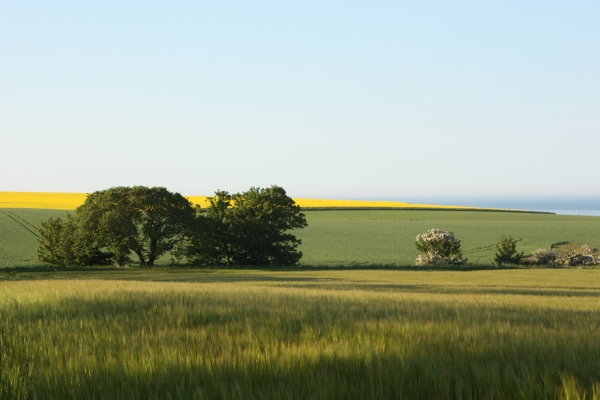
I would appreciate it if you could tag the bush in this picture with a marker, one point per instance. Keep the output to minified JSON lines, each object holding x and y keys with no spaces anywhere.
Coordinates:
{"x":439,"y":248}
{"x":545,"y":256}
{"x":62,"y":243}
{"x":584,"y":257}
{"x":506,"y":252}
{"x":435,"y":259}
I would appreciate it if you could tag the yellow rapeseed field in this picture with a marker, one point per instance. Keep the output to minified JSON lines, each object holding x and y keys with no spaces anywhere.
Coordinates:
{"x":364,"y":203}
{"x":70,"y":201}
{"x":46,"y":200}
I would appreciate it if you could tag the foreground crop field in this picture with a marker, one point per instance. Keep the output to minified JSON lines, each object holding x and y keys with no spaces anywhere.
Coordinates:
{"x":323,"y":334}
{"x":374,"y":237}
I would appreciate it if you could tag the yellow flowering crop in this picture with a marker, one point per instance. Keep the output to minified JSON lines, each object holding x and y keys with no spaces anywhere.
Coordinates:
{"x":70,"y":201}
{"x":364,"y":204}
{"x":200,"y":200}
{"x":47,"y":200}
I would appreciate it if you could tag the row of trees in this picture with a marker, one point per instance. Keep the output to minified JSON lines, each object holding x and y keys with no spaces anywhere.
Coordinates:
{"x":122,"y":225}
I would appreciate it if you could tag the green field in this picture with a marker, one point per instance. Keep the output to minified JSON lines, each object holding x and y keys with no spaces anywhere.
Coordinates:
{"x":18,"y":235}
{"x":213,"y":334}
{"x":387,"y":237}
{"x":373,"y":237}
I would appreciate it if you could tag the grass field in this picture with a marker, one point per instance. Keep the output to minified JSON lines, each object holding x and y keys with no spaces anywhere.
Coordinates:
{"x":387,"y":237}
{"x":374,"y":237}
{"x":185,"y":334}
{"x":18,"y":235}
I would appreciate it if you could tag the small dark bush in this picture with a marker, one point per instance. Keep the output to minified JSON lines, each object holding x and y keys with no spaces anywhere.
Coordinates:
{"x":507,"y":252}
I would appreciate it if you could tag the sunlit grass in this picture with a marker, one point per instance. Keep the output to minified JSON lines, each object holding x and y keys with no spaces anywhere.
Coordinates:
{"x":328,"y":334}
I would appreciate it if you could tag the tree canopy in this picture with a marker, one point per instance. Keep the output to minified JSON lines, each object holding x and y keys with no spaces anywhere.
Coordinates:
{"x":116,"y":223}
{"x":252,"y":228}
{"x":246,"y":229}
{"x":145,"y":221}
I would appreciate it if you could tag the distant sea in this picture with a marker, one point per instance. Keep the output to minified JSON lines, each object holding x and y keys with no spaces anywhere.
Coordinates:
{"x":558,"y":205}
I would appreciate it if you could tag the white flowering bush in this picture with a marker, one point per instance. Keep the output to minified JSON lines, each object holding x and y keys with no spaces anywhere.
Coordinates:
{"x":586,"y":256}
{"x":439,"y":248}
{"x":435,"y":259}
{"x":544,"y":257}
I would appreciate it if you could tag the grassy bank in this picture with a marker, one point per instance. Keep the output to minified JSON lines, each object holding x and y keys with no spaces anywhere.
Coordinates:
{"x":323,"y":334}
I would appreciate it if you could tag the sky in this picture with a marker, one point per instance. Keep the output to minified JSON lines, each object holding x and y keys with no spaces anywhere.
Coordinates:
{"x":328,"y":99}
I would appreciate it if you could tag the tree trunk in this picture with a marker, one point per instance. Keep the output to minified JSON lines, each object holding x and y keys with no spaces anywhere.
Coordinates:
{"x":152,"y":252}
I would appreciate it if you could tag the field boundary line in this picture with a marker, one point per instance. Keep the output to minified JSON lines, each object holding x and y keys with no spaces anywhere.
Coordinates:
{"x":20,"y":223}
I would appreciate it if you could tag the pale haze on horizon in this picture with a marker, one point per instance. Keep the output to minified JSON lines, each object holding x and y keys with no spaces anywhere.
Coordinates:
{"x":327,"y":99}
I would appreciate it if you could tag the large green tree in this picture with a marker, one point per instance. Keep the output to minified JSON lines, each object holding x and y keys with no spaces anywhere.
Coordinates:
{"x":147,"y":222}
{"x":251,"y":229}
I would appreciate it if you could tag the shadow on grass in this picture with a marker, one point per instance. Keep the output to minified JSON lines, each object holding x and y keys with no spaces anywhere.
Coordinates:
{"x":173,"y":268}
{"x":454,"y":289}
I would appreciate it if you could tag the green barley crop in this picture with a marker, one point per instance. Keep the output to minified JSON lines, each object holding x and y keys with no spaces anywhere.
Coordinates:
{"x":312,"y":334}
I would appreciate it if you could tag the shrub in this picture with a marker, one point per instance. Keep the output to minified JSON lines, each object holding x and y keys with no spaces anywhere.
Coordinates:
{"x":61,"y":243}
{"x":545,"y":257}
{"x":439,"y":248}
{"x":435,"y":259}
{"x":506,"y":251}
{"x":586,"y":256}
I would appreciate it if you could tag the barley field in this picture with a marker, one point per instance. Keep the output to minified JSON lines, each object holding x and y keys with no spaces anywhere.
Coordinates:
{"x":193,"y":334}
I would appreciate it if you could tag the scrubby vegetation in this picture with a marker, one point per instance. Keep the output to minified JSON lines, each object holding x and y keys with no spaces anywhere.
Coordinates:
{"x":571,"y":256}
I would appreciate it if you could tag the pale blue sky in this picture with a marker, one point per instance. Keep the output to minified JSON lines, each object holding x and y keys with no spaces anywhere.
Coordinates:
{"x":327,"y":99}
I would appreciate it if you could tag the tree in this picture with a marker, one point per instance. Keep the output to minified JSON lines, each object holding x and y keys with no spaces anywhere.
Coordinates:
{"x":145,"y":221}
{"x":506,"y":251}
{"x":62,"y":243}
{"x":439,"y":248}
{"x":252,"y":228}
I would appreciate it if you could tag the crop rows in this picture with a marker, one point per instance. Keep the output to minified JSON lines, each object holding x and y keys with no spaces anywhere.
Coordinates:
{"x":329,"y":335}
